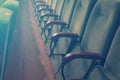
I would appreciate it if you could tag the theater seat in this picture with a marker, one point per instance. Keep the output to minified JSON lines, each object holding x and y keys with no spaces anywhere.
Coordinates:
{"x":1,"y":1}
{"x":75,"y":26}
{"x":41,"y":7}
{"x":13,"y":5}
{"x":56,"y":7}
{"x":5,"y":21}
{"x":111,"y":68}
{"x":59,"y":24}
{"x":100,"y":30}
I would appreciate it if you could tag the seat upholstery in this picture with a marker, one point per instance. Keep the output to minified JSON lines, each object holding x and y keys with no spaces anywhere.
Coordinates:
{"x":101,"y":27}
{"x":53,"y":15}
{"x":64,"y":18}
{"x":41,"y":6}
{"x":100,"y":30}
{"x":13,"y":5}
{"x":5,"y":21}
{"x":53,"y":4}
{"x":77,"y":24}
{"x":5,"y":17}
{"x":1,"y":1}
{"x":111,"y":69}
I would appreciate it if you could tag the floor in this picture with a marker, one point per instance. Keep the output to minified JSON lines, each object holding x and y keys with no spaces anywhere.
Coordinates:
{"x":27,"y":58}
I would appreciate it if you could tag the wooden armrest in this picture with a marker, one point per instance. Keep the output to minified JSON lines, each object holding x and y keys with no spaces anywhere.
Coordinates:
{"x":58,"y":35}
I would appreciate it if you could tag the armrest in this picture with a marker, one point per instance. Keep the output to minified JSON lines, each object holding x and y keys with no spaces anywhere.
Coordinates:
{"x":75,"y":38}
{"x":45,"y":9}
{"x":55,"y":36}
{"x":42,"y":6}
{"x":55,"y":22}
{"x":85,"y":55}
{"x":74,"y":55}
{"x":55,"y":16}
{"x":39,"y":2}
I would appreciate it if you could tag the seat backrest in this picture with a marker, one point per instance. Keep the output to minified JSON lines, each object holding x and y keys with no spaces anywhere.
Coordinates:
{"x":68,"y":8}
{"x":49,"y":2}
{"x":112,"y":63}
{"x":59,"y":6}
{"x":1,"y":1}
{"x":53,"y":4}
{"x":111,"y":68}
{"x":79,"y":18}
{"x":12,"y":5}
{"x":5,"y":20}
{"x":65,"y":15}
{"x":81,"y":15}
{"x":102,"y":25}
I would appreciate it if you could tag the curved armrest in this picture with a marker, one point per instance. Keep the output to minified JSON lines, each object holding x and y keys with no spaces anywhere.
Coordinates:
{"x":85,"y":55}
{"x":55,"y":36}
{"x":74,"y":55}
{"x":39,"y":2}
{"x":40,"y":6}
{"x":45,"y":9}
{"x":74,"y":39}
{"x":55,"y":22}
{"x":55,"y":16}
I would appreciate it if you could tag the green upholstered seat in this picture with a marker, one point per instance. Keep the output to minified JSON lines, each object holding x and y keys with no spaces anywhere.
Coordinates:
{"x":110,"y":71}
{"x":5,"y":20}
{"x":65,"y":14}
{"x":100,"y":30}
{"x":76,"y":24}
{"x":11,"y":4}
{"x":1,"y":1}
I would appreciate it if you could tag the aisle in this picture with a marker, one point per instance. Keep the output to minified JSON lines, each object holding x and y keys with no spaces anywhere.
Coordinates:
{"x":27,"y":60}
